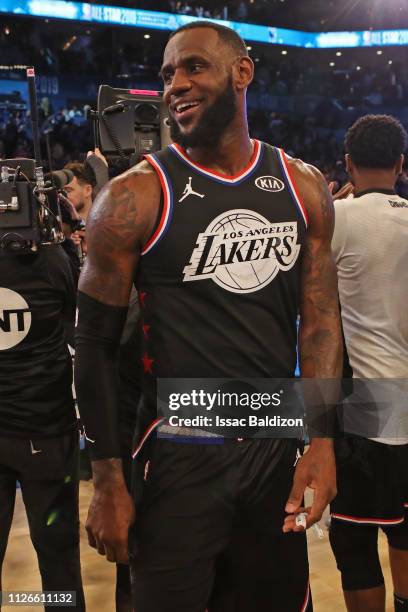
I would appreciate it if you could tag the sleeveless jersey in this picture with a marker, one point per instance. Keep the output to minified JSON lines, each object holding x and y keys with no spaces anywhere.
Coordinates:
{"x":219,"y":280}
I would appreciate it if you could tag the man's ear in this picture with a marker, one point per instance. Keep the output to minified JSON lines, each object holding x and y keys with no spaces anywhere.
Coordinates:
{"x":88,"y":190}
{"x":349,"y":163}
{"x":243,"y":72}
{"x":400,"y":163}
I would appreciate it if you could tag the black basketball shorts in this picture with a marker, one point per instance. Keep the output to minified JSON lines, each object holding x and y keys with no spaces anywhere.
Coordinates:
{"x":208,"y":533}
{"x":372,"y":482}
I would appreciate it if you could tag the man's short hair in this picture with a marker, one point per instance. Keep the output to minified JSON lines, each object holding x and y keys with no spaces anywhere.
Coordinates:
{"x":227,"y":35}
{"x":82,"y":172}
{"x":376,"y":141}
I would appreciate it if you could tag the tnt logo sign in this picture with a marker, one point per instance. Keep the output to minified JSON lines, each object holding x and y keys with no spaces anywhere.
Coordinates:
{"x":15,"y":318}
{"x":269,"y":183}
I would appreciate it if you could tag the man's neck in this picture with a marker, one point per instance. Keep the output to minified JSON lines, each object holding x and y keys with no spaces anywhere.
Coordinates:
{"x":228,"y":157}
{"x":86,"y":209}
{"x":371,"y":180}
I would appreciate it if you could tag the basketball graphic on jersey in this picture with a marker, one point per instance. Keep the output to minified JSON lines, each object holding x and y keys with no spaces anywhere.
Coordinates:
{"x":242,"y":251}
{"x":15,"y":318}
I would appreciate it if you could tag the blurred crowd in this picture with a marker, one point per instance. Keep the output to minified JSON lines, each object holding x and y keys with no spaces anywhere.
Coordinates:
{"x":70,"y":137}
{"x":297,"y":101}
{"x":313,"y":15}
{"x":345,"y":81}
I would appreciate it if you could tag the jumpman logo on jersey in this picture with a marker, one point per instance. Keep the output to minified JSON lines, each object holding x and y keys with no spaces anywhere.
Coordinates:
{"x":188,"y":190}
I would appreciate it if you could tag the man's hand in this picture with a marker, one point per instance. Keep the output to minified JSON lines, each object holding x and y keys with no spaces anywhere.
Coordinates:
{"x":97,"y":153}
{"x":79,"y":238}
{"x":317,"y":470}
{"x":111,"y":512}
{"x":343,"y":192}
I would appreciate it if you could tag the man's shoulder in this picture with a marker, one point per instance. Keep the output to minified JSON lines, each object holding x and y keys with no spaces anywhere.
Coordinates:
{"x":124,"y":213}
{"x":312,"y":189}
{"x":305,"y":173}
{"x":343,"y":203}
{"x":139,"y":186}
{"x":137,"y":177}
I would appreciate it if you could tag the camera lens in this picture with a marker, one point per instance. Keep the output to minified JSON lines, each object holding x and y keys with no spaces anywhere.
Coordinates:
{"x":146,"y":113}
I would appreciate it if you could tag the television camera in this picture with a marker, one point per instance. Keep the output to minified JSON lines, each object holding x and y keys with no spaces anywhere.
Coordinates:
{"x":130,"y":123}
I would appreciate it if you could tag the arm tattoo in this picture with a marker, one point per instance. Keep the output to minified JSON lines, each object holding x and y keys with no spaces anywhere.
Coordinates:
{"x":117,"y":223}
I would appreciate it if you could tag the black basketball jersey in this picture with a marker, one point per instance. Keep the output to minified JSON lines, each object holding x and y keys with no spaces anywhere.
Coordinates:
{"x":219,"y":279}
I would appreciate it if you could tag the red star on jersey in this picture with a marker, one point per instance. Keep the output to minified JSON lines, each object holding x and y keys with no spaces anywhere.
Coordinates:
{"x":147,"y":364}
{"x":146,"y":330}
{"x":142,"y":296}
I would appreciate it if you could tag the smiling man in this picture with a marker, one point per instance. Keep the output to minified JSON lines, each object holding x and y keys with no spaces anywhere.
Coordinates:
{"x":215,"y":523}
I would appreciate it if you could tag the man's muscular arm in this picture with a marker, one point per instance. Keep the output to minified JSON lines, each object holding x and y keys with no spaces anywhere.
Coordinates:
{"x":320,"y":341}
{"x":120,"y":222}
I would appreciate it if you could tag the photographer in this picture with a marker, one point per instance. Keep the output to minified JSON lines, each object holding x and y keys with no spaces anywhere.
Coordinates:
{"x":38,"y":427}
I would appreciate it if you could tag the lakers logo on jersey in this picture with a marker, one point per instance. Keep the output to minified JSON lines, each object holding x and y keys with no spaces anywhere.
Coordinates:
{"x":15,"y":318}
{"x":242,"y":251}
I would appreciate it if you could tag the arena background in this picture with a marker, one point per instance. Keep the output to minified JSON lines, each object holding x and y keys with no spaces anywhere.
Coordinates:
{"x":303,"y":99}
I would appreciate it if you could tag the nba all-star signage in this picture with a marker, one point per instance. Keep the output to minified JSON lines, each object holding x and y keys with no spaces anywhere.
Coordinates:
{"x":242,"y":251}
{"x":15,"y":318}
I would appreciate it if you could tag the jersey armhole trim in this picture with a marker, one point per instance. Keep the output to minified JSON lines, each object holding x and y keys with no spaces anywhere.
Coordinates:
{"x":294,"y":191}
{"x":167,"y":212}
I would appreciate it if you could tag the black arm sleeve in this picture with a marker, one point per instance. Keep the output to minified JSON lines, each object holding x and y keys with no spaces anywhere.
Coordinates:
{"x":97,"y":337}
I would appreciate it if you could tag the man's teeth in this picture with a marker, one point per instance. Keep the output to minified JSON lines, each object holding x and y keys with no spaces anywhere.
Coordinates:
{"x":181,"y":107}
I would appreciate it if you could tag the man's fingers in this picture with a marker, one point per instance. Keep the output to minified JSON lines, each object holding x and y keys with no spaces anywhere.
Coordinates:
{"x":116,"y":552}
{"x":289,"y":523}
{"x":344,"y":191}
{"x":296,"y":495}
{"x":122,"y":554}
{"x":111,"y":554}
{"x":91,"y":539}
{"x":321,"y":499}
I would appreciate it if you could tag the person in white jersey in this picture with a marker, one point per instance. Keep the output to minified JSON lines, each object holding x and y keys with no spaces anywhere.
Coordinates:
{"x":370,"y":246}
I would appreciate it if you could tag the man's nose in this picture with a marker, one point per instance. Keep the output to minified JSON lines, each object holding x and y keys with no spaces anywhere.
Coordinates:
{"x":179,"y":83}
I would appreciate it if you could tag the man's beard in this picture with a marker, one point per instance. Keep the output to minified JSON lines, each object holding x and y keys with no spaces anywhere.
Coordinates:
{"x":212,"y":124}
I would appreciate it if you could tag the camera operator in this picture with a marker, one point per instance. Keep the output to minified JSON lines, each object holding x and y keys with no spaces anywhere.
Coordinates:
{"x":89,"y":178}
{"x":79,"y":190}
{"x":71,"y":224}
{"x":38,"y":427}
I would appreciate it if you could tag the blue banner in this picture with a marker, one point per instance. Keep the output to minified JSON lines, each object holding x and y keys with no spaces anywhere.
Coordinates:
{"x":115,"y":15}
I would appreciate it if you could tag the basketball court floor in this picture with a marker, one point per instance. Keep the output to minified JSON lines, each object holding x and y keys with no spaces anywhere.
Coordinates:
{"x":20,"y":570}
